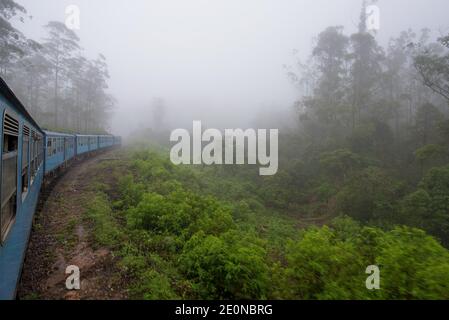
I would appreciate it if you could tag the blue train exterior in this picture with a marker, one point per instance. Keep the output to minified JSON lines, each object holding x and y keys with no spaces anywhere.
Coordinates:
{"x":29,"y":155}
{"x":60,"y":149}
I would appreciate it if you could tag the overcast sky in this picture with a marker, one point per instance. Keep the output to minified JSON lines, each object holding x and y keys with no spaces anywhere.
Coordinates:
{"x":219,"y":61}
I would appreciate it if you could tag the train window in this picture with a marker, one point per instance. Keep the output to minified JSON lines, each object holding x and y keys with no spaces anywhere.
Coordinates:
{"x":25,"y":164}
{"x":49,"y":144}
{"x":35,"y":153}
{"x":32,"y":151}
{"x":9,"y":176}
{"x":54,"y":146}
{"x":41,"y":150}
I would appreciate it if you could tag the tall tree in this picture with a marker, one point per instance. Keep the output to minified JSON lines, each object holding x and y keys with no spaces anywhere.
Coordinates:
{"x":433,"y":66}
{"x":330,"y":53}
{"x":366,"y":69}
{"x":11,"y":39}
{"x":61,"y":45}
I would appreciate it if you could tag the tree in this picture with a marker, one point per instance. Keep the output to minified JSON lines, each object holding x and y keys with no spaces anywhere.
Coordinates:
{"x":60,"y":46}
{"x":231,"y":266}
{"x":436,"y":184}
{"x":340,"y":163}
{"x":365,"y":70}
{"x":434,"y":68}
{"x":430,"y":154}
{"x":98,"y":102}
{"x":370,"y":196}
{"x":426,"y":128}
{"x":11,"y":39}
{"x":330,"y":54}
{"x":330,"y":263}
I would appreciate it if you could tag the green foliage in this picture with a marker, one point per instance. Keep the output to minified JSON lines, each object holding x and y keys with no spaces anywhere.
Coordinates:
{"x":231,"y":266}
{"x":414,"y":266}
{"x":106,"y":230}
{"x":156,"y":286}
{"x":325,"y":191}
{"x":370,"y":195}
{"x":181,"y":238}
{"x":329,"y":263}
{"x":131,"y":192}
{"x":430,"y":152}
{"x":415,"y":209}
{"x":436,"y":184}
{"x":180,"y":213}
{"x":321,"y":266}
{"x":339,"y":163}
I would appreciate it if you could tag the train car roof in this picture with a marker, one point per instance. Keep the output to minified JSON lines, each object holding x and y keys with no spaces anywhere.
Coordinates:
{"x":9,"y":95}
{"x":86,"y":135}
{"x":52,"y":133}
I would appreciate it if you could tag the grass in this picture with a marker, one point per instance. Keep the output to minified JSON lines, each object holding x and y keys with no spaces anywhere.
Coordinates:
{"x":106,"y":231}
{"x":67,"y":236}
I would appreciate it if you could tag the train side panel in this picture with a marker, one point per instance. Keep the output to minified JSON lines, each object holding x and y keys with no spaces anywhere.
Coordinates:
{"x":93,"y":143}
{"x":69,"y":148}
{"x":22,"y":175}
{"x":82,"y":144}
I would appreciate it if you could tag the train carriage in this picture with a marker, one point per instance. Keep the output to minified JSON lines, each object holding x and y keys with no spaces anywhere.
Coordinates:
{"x":21,"y":178}
{"x":82,"y":144}
{"x":29,"y":154}
{"x":60,"y":148}
{"x":106,"y":141}
{"x":93,"y":143}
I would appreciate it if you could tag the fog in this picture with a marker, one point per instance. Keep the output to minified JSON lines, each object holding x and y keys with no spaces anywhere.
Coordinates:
{"x":219,"y":61}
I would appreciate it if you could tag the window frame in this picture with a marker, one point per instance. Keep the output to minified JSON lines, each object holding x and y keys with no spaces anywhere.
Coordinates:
{"x":12,"y":202}
{"x":25,"y":169}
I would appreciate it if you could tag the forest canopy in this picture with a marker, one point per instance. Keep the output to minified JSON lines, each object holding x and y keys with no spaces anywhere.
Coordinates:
{"x":61,"y":88}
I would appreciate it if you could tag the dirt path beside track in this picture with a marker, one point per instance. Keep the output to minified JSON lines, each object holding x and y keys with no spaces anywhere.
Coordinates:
{"x":61,"y":238}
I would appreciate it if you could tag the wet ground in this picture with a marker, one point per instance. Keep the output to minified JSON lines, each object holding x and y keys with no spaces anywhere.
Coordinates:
{"x":61,"y":238}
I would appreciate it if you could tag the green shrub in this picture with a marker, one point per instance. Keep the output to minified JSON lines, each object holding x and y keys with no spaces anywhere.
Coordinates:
{"x":106,"y":231}
{"x":231,"y":266}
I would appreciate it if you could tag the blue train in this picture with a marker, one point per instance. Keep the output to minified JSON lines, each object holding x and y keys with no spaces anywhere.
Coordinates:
{"x":29,"y":155}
